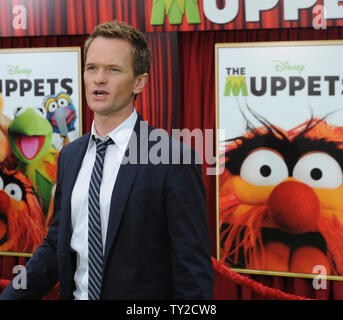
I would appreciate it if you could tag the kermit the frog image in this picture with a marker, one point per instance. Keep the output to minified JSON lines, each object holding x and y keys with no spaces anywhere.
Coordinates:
{"x":30,"y":137}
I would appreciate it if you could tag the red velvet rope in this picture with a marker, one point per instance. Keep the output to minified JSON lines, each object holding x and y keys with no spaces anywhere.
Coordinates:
{"x":3,"y":284}
{"x":229,"y":274}
{"x":252,"y":284}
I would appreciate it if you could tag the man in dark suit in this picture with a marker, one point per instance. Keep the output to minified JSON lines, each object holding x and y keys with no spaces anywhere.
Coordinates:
{"x":152,"y":240}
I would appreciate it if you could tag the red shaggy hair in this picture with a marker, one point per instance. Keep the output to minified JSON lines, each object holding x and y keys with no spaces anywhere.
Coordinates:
{"x":244,"y":231}
{"x":25,"y":221}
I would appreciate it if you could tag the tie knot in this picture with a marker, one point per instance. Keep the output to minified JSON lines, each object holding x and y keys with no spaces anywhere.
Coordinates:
{"x":101,"y":145}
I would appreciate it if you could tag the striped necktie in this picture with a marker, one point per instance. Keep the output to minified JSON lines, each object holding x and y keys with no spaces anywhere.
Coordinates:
{"x":95,"y":249}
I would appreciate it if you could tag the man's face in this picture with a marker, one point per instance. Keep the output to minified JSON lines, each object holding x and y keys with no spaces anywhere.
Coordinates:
{"x":110,"y":83}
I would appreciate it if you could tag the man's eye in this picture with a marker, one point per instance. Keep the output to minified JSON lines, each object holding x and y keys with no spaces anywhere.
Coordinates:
{"x":90,"y":68}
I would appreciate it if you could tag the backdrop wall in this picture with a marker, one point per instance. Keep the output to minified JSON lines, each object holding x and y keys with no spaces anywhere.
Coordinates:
{"x":181,"y":94}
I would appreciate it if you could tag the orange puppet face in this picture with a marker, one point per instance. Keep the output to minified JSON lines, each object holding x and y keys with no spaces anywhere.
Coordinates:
{"x":21,"y":216}
{"x":281,"y":199}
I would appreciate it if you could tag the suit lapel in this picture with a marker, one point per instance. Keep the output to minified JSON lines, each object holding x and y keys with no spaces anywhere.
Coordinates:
{"x":124,"y":182}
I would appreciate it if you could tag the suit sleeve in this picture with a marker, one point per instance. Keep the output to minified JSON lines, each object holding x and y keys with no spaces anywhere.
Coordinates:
{"x":189,"y":234}
{"x":41,"y":269}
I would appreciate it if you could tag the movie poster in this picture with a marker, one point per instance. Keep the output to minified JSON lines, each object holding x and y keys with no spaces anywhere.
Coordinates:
{"x":40,"y":112}
{"x":279,"y":111}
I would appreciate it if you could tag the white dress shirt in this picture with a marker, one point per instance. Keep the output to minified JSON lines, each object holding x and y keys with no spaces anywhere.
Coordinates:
{"x":79,"y":199}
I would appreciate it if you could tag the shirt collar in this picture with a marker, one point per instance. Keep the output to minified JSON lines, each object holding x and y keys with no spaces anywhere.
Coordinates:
{"x":120,"y":135}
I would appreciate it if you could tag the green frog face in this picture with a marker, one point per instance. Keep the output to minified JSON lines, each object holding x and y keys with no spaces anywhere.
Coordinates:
{"x":30,"y":134}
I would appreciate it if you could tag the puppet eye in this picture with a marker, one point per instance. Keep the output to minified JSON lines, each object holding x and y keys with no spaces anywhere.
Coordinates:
{"x":14,"y":191}
{"x":18,"y":111}
{"x":318,"y":170}
{"x":1,"y":183}
{"x":264,"y":167}
{"x":52,"y":106}
{"x":62,"y":102}
{"x":40,"y":111}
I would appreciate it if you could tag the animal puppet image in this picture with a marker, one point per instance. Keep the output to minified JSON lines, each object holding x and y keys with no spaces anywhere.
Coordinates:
{"x":22,"y":222}
{"x":281,"y":199}
{"x":61,"y":114}
{"x":7,"y":157}
{"x":30,"y":136}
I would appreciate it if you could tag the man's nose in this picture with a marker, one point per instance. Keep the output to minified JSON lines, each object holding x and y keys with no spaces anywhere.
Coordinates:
{"x":100,"y":76}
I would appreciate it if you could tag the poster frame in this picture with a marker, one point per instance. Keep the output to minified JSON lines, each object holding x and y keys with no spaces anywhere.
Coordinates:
{"x":309,"y":43}
{"x":41,"y":50}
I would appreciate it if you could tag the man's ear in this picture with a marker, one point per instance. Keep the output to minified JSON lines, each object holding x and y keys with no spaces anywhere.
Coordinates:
{"x":141,"y":81}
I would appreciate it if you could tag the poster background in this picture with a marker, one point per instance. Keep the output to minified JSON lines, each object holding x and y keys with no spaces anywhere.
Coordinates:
{"x":41,"y":64}
{"x":261,"y":60}
{"x":317,"y":58}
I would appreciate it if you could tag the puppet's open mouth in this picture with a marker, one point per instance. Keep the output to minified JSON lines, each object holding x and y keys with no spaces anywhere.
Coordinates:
{"x":29,"y":146}
{"x":289,"y":252}
{"x":69,"y":116}
{"x":280,"y":246}
{"x":3,"y":228}
{"x":293,"y":241}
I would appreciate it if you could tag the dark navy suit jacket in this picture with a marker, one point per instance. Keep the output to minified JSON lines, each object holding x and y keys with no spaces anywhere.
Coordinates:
{"x":157,"y":245}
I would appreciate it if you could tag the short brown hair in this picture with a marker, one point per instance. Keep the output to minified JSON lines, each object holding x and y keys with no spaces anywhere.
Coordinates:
{"x":120,"y":30}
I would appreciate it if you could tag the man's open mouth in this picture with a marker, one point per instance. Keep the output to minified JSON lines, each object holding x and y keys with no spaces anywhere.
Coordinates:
{"x":100,"y":93}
